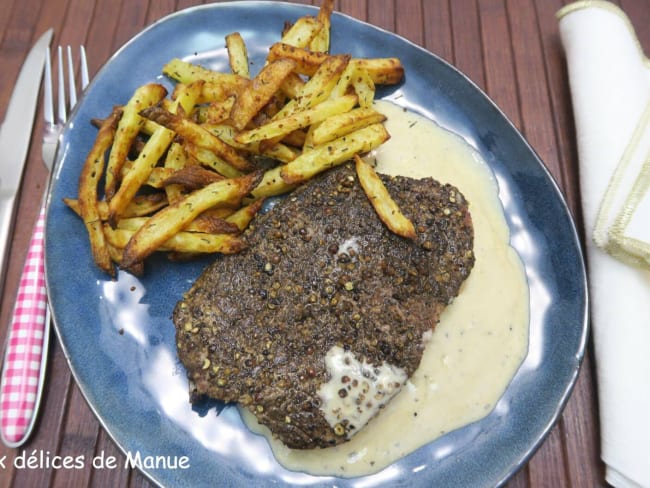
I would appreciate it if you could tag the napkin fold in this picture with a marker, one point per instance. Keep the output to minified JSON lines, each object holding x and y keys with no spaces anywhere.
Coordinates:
{"x":609,"y":78}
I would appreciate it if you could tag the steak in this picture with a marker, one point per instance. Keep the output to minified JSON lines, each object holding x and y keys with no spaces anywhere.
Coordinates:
{"x":322,"y":319}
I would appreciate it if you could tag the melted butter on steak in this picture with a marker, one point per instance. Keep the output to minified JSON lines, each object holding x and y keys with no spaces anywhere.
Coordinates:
{"x":322,"y":278}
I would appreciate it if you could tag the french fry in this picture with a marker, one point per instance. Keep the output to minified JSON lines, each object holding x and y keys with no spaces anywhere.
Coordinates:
{"x":328,"y":155}
{"x":128,"y":128}
{"x":88,"y":182}
{"x":364,"y":87}
{"x":318,"y":88}
{"x":194,"y":133}
{"x":279,"y":128}
{"x":172,"y":219}
{"x":242,"y":217}
{"x":176,"y":159}
{"x":341,"y":124}
{"x":186,"y":97}
{"x":186,"y":242}
{"x":303,"y":30}
{"x":237,"y":54}
{"x":140,"y":171}
{"x":283,"y":179}
{"x":321,"y":41}
{"x":382,"y":71}
{"x":210,"y":224}
{"x":211,"y":160}
{"x":292,"y":85}
{"x":180,"y":167}
{"x":228,"y":134}
{"x":140,"y":206}
{"x":191,"y":177}
{"x":259,"y":91}
{"x":218,"y":112}
{"x":185,"y":72}
{"x":387,"y":209}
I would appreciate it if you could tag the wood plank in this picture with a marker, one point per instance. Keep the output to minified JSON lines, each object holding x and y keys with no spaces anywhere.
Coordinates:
{"x":547,"y":467}
{"x":466,"y":35}
{"x":103,"y":26}
{"x":408,"y":21}
{"x":436,"y":17}
{"x":381,"y":13}
{"x":78,"y":441}
{"x":103,"y":475}
{"x":131,"y":20}
{"x":498,"y":58}
{"x":355,"y":8}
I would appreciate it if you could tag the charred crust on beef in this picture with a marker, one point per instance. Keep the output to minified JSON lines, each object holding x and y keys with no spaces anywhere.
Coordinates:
{"x":322,"y":271}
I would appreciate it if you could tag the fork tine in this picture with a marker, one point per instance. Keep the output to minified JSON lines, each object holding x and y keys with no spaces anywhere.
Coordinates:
{"x":61,"y":111}
{"x":48,"y":104}
{"x":72,"y":86}
{"x":84,"y":68}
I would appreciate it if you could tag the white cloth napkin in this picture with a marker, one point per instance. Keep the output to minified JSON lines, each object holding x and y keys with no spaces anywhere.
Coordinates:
{"x":609,"y":78}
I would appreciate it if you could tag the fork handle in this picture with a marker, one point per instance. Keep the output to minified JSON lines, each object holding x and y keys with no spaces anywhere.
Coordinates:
{"x":26,"y":354}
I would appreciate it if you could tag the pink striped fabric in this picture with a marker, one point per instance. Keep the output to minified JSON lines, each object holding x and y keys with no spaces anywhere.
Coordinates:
{"x":20,"y":388}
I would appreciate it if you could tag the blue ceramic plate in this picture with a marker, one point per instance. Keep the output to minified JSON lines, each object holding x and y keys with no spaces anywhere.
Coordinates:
{"x":119,"y":338}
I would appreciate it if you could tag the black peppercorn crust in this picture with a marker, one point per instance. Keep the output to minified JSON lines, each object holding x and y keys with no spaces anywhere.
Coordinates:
{"x":322,"y":270}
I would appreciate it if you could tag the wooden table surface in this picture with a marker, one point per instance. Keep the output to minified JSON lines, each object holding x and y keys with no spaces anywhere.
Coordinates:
{"x":510,"y":48}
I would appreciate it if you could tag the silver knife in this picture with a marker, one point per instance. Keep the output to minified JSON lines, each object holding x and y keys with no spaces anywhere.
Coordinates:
{"x":15,"y":135}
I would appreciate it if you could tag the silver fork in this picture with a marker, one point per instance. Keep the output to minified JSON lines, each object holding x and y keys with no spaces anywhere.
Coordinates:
{"x":24,"y":369}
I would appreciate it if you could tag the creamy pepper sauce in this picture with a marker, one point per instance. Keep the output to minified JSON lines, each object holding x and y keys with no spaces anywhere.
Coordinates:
{"x":482,"y":337}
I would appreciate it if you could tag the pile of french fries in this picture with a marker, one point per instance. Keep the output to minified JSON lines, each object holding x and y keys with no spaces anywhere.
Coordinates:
{"x":187,"y":173}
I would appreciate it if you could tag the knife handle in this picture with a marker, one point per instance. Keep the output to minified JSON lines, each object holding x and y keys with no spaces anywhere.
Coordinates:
{"x":25,"y":357}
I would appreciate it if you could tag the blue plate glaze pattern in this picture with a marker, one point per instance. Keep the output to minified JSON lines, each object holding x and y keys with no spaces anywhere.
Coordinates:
{"x":119,"y":338}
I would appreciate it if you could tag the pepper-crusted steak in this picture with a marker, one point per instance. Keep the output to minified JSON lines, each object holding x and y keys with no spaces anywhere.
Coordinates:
{"x":321,"y":320}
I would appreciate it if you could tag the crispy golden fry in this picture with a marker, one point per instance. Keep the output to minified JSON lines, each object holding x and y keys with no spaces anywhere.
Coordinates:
{"x":172,"y":219}
{"x":387,"y":209}
{"x":185,"y":72}
{"x":226,"y":133}
{"x":218,"y":112}
{"x":364,"y":87}
{"x":382,"y":71}
{"x":158,"y":177}
{"x":140,"y":171}
{"x":127,"y":130}
{"x":259,"y":91}
{"x":88,"y":181}
{"x":318,"y":88}
{"x":211,"y":160}
{"x":321,"y":41}
{"x":237,"y":54}
{"x":306,"y":111}
{"x":279,"y":128}
{"x":194,"y":133}
{"x":292,"y":85}
{"x":186,"y":96}
{"x":186,"y":242}
{"x":176,"y":160}
{"x":333,"y":153}
{"x":339,"y":125}
{"x":213,"y":92}
{"x":282,"y":179}
{"x":303,"y":30}
{"x":206,"y":223}
{"x":191,"y":177}
{"x":242,"y":217}
{"x":140,"y":206}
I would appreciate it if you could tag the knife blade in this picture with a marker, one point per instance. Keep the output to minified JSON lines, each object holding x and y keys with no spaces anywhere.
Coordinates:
{"x":15,"y":135}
